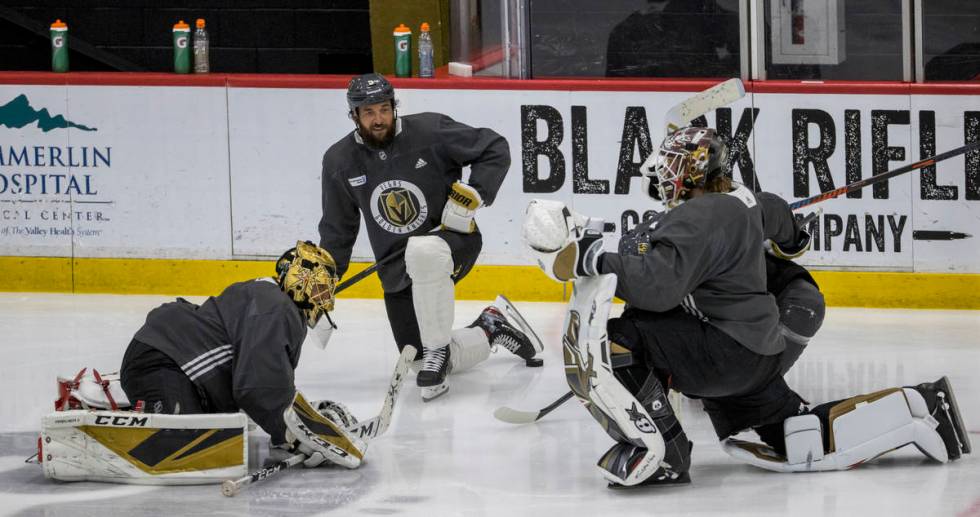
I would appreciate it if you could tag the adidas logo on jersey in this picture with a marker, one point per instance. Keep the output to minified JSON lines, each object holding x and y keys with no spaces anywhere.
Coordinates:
{"x":421,"y":163}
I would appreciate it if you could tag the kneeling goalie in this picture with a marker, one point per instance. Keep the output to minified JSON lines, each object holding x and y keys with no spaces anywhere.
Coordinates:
{"x":189,"y":370}
{"x":699,"y":320}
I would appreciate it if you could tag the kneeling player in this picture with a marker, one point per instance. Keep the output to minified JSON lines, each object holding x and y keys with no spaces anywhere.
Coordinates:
{"x":236,"y":351}
{"x":698,"y":320}
{"x":403,"y":175}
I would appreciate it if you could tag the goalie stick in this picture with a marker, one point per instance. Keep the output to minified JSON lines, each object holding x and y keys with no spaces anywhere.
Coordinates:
{"x":367,"y":430}
{"x":518,"y":417}
{"x":718,"y":96}
{"x":374,"y":427}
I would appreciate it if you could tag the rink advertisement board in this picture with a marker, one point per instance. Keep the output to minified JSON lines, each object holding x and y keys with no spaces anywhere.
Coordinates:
{"x":114,"y":171}
{"x":234,"y":172}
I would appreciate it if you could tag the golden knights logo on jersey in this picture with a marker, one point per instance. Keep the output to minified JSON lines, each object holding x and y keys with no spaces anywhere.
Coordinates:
{"x":398,"y":206}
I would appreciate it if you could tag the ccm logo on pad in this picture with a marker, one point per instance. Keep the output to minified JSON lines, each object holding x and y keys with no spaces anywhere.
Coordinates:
{"x":121,"y":420}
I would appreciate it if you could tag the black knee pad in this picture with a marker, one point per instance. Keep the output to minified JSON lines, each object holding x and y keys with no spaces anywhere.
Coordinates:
{"x":801,"y":308}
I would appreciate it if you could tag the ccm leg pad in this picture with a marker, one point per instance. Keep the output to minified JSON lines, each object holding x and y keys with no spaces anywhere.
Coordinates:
{"x":143,"y":448}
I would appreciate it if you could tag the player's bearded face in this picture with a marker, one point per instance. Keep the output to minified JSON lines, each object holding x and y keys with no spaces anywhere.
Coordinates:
{"x":376,"y":124}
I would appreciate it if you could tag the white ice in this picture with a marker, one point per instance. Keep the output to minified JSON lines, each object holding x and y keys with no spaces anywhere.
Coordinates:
{"x":451,"y":457}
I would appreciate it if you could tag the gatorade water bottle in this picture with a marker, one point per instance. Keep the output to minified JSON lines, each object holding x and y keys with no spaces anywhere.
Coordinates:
{"x":182,"y":52}
{"x":201,"y":62}
{"x":426,"y":66}
{"x":403,"y":51}
{"x":59,"y":46}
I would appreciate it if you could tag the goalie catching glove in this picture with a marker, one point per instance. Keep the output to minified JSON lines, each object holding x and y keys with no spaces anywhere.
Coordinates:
{"x":318,"y":431}
{"x":458,"y":213}
{"x":565,"y":244}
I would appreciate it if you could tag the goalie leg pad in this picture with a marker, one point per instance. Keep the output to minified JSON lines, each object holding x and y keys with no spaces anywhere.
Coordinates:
{"x":320,"y":438}
{"x":860,"y":429}
{"x":673,"y":466}
{"x":141,"y":448}
{"x":804,"y":439}
{"x":429,"y":263}
{"x":468,"y":348}
{"x":641,"y":428}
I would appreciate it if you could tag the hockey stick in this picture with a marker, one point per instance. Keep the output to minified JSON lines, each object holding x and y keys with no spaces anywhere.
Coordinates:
{"x":518,"y":417}
{"x":883,"y":176}
{"x":718,"y":96}
{"x":368,"y":429}
{"x":374,"y":427}
{"x":231,"y":487}
{"x":370,"y":269}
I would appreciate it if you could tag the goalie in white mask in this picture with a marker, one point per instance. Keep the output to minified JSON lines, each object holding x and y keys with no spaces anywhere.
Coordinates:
{"x":699,"y":320}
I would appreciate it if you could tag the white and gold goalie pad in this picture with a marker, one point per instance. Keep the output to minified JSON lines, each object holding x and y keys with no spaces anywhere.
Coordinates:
{"x":142,"y":448}
{"x":861,"y":429}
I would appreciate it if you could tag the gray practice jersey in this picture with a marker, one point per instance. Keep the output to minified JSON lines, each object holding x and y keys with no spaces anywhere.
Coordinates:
{"x":778,"y":222}
{"x":240,"y":348}
{"x":705,"y":256}
{"x":402,"y":189}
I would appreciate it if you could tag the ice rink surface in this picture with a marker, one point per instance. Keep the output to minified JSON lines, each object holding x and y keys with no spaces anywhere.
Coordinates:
{"x":451,"y":457}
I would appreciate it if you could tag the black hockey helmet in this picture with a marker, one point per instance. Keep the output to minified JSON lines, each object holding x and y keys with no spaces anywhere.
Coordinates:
{"x":369,"y":89}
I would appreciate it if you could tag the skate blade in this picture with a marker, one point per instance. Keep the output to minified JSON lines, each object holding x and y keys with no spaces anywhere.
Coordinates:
{"x":961,"y":432}
{"x":684,"y":479}
{"x":433,"y":392}
{"x":514,"y":316}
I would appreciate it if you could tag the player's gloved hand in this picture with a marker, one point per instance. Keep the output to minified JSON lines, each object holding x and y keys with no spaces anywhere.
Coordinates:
{"x":565,"y":244}
{"x":279,"y":452}
{"x":461,"y":207}
{"x":319,"y":437}
{"x":791,"y":251}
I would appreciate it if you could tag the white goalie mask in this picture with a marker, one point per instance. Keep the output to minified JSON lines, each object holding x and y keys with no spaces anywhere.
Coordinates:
{"x":687,"y":158}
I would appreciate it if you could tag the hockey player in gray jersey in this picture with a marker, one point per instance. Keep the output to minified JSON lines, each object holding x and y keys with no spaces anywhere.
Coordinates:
{"x":404,"y":175}
{"x":237,"y":351}
{"x":700,"y":320}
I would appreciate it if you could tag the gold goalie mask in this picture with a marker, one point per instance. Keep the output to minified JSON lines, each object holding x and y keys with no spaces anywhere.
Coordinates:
{"x":308,"y":275}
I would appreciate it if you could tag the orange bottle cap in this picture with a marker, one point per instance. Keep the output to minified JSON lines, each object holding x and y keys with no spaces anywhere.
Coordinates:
{"x":200,"y":23}
{"x":425,"y":27}
{"x":58,"y":24}
{"x":181,"y":26}
{"x":403,"y":28}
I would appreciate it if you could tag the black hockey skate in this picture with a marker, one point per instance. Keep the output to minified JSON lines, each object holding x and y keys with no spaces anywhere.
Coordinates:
{"x":501,"y":333}
{"x":942,"y":406}
{"x":663,"y":476}
{"x":660,"y":478}
{"x":432,"y":375}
